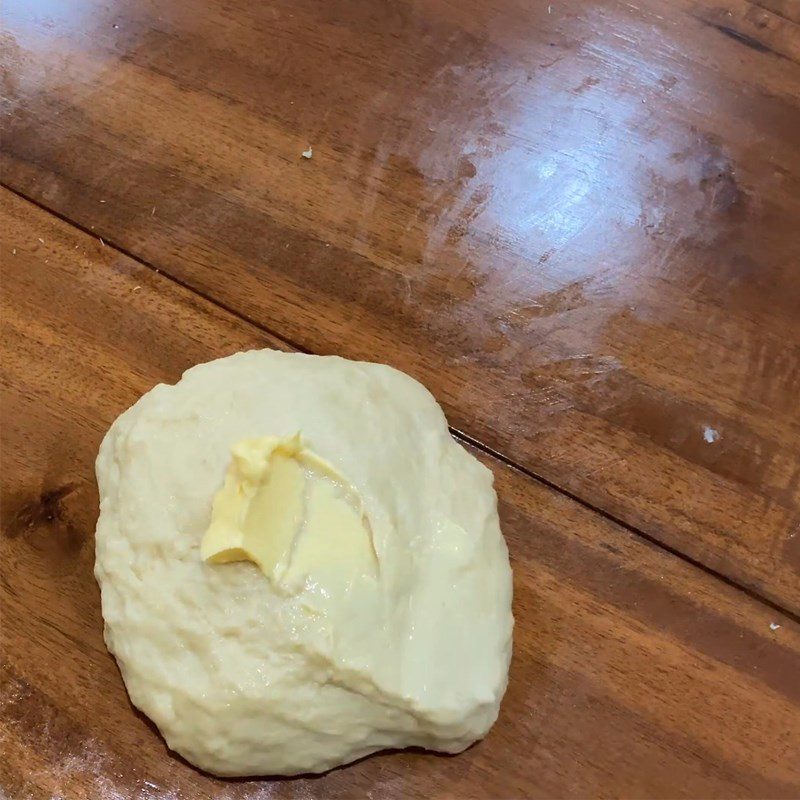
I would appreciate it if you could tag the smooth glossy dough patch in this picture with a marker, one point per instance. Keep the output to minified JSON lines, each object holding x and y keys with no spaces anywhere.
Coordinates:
{"x":299,"y":566}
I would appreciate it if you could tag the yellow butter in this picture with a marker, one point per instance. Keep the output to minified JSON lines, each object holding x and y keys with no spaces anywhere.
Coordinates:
{"x":290,"y":512}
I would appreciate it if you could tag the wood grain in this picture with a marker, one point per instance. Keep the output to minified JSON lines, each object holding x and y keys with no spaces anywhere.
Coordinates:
{"x":576,"y":222}
{"x":634,"y":673}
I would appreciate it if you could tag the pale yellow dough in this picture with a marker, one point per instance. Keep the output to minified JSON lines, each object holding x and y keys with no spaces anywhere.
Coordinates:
{"x":352,"y":591}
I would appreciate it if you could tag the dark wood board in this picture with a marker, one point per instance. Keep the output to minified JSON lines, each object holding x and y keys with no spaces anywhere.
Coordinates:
{"x":577,"y":222}
{"x":635,"y":674}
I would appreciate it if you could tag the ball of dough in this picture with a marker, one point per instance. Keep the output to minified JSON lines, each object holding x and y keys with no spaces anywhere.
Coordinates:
{"x":244,"y":678}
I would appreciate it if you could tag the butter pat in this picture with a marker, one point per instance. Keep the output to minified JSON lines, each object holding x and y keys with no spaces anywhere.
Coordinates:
{"x":291,"y":513}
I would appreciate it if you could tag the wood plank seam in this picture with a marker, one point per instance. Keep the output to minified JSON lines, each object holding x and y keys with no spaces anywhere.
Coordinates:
{"x":757,"y":27}
{"x":776,"y":12}
{"x":462,"y":436}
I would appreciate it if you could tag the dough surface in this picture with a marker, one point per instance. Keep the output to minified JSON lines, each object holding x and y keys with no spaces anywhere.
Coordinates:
{"x":242,"y":679}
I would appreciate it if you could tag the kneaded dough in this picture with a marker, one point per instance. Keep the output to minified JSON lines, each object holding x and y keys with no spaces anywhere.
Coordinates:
{"x":242,"y":679}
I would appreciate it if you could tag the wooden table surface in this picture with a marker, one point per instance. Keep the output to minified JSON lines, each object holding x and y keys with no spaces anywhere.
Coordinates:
{"x":578,"y":223}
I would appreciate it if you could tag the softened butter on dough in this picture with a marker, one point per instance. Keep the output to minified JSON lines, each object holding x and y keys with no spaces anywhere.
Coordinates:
{"x":392,"y":630}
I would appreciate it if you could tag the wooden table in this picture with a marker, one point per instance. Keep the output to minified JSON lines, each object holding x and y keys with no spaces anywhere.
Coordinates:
{"x":578,"y":223}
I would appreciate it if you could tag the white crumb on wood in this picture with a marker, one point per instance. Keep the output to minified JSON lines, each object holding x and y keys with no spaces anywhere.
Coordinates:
{"x":41,"y":240}
{"x":136,"y":288}
{"x":773,"y":626}
{"x":152,"y":213}
{"x":711,"y":435}
{"x":101,"y":241}
{"x":307,"y":153}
